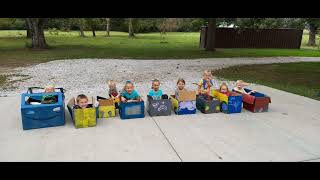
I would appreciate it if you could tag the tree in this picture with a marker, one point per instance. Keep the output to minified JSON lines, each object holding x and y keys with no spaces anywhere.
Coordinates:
{"x":28,"y":30}
{"x":168,"y":24}
{"x":37,"y":32}
{"x":131,"y":31}
{"x":108,"y":27}
{"x":211,"y":35}
{"x":93,"y":25}
{"x":81,"y":24}
{"x":314,"y":24}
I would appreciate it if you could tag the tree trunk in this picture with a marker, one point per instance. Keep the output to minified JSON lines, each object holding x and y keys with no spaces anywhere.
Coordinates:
{"x":93,"y":32}
{"x":81,"y":31}
{"x":81,"y":24}
{"x":131,"y":33}
{"x":108,"y":27}
{"x":37,"y":32}
{"x":312,"y":35}
{"x":28,"y":33}
{"x":211,"y":35}
{"x":28,"y":30}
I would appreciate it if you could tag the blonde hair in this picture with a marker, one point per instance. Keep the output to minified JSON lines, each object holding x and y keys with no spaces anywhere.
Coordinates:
{"x":48,"y":87}
{"x":207,"y":72}
{"x":125,"y":85}
{"x":225,"y":85}
{"x":81,"y":96}
{"x":153,"y":81}
{"x":241,"y":82}
{"x":111,"y":82}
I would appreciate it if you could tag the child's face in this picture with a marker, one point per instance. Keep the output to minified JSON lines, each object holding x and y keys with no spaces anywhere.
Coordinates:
{"x":239,"y":86}
{"x":129,"y":88}
{"x":83,"y":103}
{"x":207,"y":75}
{"x":180,"y":85}
{"x":156,"y":86}
{"x":49,"y":90}
{"x":112,"y":85}
{"x":224,"y":89}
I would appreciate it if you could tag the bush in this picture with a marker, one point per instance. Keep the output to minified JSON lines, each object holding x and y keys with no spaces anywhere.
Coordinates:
{"x":190,"y":24}
{"x":12,"y":24}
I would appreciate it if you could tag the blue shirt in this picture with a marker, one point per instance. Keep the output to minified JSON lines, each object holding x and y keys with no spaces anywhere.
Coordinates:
{"x":155,"y":95}
{"x":134,"y":95}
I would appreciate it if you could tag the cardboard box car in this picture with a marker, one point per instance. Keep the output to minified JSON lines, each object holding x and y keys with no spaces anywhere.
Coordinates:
{"x":229,"y":104}
{"x":186,"y":104}
{"x":131,"y":110}
{"x":208,"y":105}
{"x":82,"y":118}
{"x":162,"y":107}
{"x":106,"y":108}
{"x":255,"y":102}
{"x":35,"y":114}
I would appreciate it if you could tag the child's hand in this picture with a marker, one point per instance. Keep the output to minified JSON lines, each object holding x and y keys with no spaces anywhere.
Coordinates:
{"x":123,"y":99}
{"x":96,"y":104}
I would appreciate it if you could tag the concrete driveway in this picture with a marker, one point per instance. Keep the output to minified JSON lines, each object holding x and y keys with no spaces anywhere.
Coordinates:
{"x":288,"y":132}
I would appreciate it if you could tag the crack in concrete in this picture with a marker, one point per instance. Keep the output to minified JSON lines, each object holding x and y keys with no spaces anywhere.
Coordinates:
{"x":167,"y":139}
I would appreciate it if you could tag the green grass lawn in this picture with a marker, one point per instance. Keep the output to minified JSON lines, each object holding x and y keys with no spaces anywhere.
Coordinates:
{"x":2,"y":80}
{"x":67,"y":45}
{"x":298,"y":78}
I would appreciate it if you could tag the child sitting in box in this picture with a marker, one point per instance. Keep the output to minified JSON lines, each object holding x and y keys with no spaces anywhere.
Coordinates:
{"x":129,"y":94}
{"x":49,"y":99}
{"x":205,"y":84}
{"x":239,"y":88}
{"x":82,"y":102}
{"x":113,"y":92}
{"x":155,"y":92}
{"x":224,"y":89}
{"x":181,"y":87}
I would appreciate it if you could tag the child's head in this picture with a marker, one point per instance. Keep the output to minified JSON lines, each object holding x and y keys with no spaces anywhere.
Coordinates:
{"x":240,"y":84}
{"x":49,"y":89}
{"x":180,"y":83}
{"x":155,"y":84}
{"x":82,"y":101}
{"x":224,"y":88}
{"x":207,"y":74}
{"x":112,"y":84}
{"x":129,"y":87}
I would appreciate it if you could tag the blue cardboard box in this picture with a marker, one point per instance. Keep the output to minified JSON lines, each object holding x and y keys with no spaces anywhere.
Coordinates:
{"x":35,"y":115}
{"x":186,"y":104}
{"x":131,"y":110}
{"x":231,"y":103}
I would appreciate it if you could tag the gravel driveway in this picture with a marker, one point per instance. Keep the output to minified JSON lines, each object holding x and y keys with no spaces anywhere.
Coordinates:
{"x":89,"y":76}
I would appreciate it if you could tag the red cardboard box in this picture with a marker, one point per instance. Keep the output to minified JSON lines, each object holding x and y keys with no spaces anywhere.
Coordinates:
{"x":255,"y":102}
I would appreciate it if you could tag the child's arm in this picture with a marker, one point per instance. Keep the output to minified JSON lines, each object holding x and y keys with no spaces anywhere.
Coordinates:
{"x":236,"y":90}
{"x":138,"y":99}
{"x":123,"y":99}
{"x":251,"y":92}
{"x":209,"y":81}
